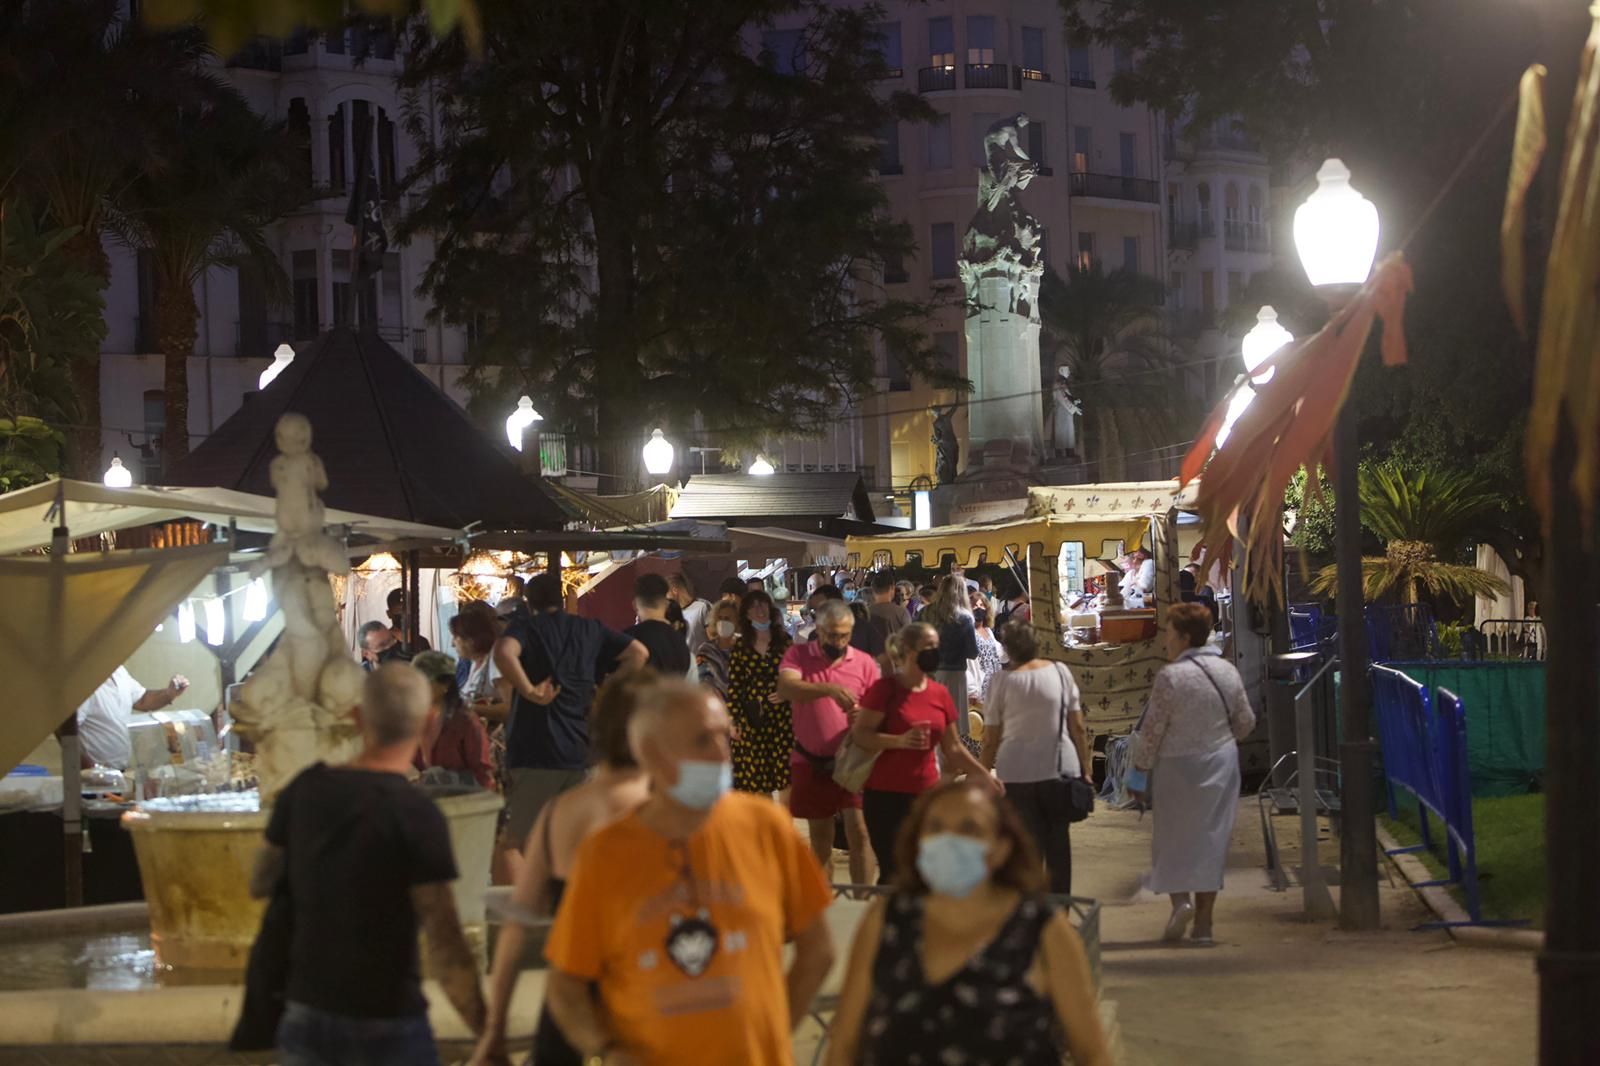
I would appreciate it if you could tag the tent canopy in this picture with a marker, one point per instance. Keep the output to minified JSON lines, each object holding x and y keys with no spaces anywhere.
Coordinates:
{"x":975,"y":543}
{"x":26,"y":517}
{"x":71,"y":620}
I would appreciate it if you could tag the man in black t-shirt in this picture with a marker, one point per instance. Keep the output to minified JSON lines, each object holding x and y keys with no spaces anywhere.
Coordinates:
{"x":367,"y":860}
{"x":669,"y":654}
{"x":553,"y":661}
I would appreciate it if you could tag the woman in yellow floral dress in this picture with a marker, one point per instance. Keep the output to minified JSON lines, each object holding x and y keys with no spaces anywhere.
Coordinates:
{"x":764,"y":734}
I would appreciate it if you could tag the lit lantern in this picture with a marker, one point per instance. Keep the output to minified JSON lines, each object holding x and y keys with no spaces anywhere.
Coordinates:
{"x":1336,"y":230}
{"x":255,"y":600}
{"x":658,"y":453}
{"x":282,"y":356}
{"x":117,"y":476}
{"x":519,"y":421}
{"x":761,"y":467}
{"x":185,"y":623}
{"x":216,"y":621}
{"x":1261,"y":342}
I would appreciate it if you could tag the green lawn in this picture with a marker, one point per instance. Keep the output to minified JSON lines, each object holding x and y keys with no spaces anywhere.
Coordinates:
{"x":1510,"y":840}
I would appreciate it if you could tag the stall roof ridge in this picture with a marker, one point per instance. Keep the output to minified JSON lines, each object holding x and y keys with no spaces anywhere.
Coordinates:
{"x":832,"y":493}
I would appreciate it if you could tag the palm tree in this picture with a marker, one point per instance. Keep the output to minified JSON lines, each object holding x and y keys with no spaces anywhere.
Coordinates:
{"x":229,"y":175}
{"x":1106,"y":329}
{"x":82,"y":91}
{"x":1419,"y":515}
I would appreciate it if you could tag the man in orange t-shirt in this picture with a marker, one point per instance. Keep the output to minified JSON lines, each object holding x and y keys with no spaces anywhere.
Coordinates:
{"x":678,"y":913}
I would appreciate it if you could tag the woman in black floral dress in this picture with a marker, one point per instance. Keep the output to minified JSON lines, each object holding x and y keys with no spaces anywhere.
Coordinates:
{"x":763,"y":730}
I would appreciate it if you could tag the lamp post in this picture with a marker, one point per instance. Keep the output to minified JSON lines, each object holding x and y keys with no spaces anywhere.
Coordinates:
{"x":281,"y":358}
{"x":1336,"y":234}
{"x":658,"y":453}
{"x":519,"y":420}
{"x":117,"y":476}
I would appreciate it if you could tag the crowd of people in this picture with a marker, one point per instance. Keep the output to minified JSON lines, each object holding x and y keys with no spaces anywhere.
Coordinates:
{"x":654,"y":778}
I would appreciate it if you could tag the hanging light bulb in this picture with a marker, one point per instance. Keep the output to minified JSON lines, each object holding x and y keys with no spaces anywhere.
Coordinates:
{"x":185,"y":623}
{"x":519,"y":421}
{"x":761,"y":467}
{"x":281,"y":358}
{"x":1263,"y":340}
{"x":117,"y":476}
{"x":216,"y":621}
{"x":255,"y":600}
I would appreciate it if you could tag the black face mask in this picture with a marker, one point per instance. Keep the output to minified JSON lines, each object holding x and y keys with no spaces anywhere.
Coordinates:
{"x":833,"y":651}
{"x":928,"y":660}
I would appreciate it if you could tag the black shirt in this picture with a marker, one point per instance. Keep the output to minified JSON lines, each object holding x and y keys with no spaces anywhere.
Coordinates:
{"x":576,"y":653}
{"x":355,"y":842}
{"x":669,"y":655}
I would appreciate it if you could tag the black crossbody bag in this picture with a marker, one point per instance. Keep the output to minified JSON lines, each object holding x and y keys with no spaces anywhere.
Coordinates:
{"x":1080,"y":793}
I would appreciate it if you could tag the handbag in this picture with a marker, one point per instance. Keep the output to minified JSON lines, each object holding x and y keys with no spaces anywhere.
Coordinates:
{"x":1080,"y":793}
{"x":853,"y":764}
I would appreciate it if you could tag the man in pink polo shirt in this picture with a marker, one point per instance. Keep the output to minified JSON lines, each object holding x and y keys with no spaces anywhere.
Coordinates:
{"x":822,"y":680}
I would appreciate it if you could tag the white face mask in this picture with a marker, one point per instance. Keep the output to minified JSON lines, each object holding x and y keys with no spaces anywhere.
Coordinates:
{"x":725,"y":629}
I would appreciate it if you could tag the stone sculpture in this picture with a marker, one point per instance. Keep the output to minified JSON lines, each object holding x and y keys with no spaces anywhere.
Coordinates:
{"x":297,"y":705}
{"x":1063,"y":418}
{"x":1001,"y":267}
{"x":946,"y":448}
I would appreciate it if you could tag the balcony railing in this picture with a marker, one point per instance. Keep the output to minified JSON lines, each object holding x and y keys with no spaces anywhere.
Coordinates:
{"x":988,"y":76}
{"x":1030,"y":74}
{"x":936,"y":79}
{"x":1080,"y":79}
{"x":1246,"y":236}
{"x":1115,"y":187}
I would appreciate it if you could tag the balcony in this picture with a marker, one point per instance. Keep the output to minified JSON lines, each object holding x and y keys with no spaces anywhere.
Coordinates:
{"x":1246,"y":236}
{"x":399,"y":336}
{"x":1030,"y":74}
{"x":1080,"y":79}
{"x":1115,"y":187}
{"x":988,"y":76}
{"x":936,"y":79}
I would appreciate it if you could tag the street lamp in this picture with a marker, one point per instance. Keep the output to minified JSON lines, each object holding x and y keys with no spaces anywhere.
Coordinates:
{"x":282,"y":356}
{"x":658,"y":453}
{"x":519,"y":420}
{"x":1264,"y":338}
{"x":1336,"y":234}
{"x":117,"y":476}
{"x":761,"y":468}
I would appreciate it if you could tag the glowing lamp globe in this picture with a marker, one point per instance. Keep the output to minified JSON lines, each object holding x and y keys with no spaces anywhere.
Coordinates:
{"x":761,"y":468}
{"x":281,"y":358}
{"x":1265,"y":338}
{"x":519,"y":421}
{"x":658,"y":453}
{"x":1336,"y":230}
{"x":117,"y":476}
{"x":1236,"y":407}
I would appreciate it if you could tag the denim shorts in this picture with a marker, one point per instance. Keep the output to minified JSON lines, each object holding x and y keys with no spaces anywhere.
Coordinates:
{"x":311,"y":1037}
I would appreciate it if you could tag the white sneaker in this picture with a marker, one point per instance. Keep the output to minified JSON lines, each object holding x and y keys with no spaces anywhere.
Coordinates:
{"x":1181,"y":916}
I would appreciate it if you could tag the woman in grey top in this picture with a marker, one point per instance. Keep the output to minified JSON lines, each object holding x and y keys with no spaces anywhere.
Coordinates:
{"x":1188,"y":741}
{"x":1034,"y":739}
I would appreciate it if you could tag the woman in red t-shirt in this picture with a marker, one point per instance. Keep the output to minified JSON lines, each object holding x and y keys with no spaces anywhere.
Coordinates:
{"x":902,"y":716}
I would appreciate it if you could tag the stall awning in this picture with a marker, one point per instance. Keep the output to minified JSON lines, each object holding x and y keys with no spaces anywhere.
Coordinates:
{"x":26,"y":517}
{"x":1123,"y":497}
{"x":975,"y":542}
{"x":799,"y":549}
{"x":71,"y":620}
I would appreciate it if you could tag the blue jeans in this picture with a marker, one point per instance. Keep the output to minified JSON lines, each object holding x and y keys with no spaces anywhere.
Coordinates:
{"x":311,"y":1037}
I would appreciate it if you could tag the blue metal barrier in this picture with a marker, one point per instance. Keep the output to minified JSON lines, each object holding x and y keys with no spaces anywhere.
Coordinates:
{"x":1401,"y":631}
{"x":1424,"y":743}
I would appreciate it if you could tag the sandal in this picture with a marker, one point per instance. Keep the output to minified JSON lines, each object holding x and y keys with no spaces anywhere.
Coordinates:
{"x":1181,"y":916}
{"x":1201,"y":937}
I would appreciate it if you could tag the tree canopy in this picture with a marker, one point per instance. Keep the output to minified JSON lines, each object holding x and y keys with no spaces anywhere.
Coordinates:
{"x":649,"y":213}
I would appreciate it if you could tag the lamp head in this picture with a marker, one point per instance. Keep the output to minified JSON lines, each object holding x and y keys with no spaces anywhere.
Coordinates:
{"x":1264,"y":339}
{"x":1336,"y":230}
{"x":519,"y":421}
{"x":658,"y":454}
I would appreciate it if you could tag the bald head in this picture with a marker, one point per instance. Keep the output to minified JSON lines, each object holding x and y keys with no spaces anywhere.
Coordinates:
{"x":394,"y":705}
{"x":675,"y":722}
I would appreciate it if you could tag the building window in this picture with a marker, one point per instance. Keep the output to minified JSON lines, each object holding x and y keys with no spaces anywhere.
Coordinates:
{"x":889,"y":149}
{"x":783,"y":51}
{"x":155,"y":424}
{"x":899,"y":376}
{"x":942,"y":249}
{"x":1235,"y":286}
{"x":980,"y":39}
{"x":336,"y":157}
{"x":300,"y":134}
{"x":948,"y":345}
{"x":889,"y":48}
{"x":1080,"y":67}
{"x":941,"y":43}
{"x":1203,"y":198}
{"x":1230,"y":203}
{"x":1208,"y":292}
{"x":388,"y":175}
{"x":1033,"y":52}
{"x":303,"y":265}
{"x":1121,"y":59}
{"x":1174,"y":205}
{"x":1085,"y":250}
{"x":144,"y":340}
{"x":894,"y":269}
{"x":255,"y":339}
{"x":1082,"y":145}
{"x":1254,"y":205}
{"x":1175,"y":287}
{"x":1128,"y":148}
{"x":1036,"y":146}
{"x":1130,"y":254}
{"x":939,"y":143}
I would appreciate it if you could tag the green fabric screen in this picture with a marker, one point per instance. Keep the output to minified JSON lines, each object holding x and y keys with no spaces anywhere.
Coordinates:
{"x":1504,"y":703}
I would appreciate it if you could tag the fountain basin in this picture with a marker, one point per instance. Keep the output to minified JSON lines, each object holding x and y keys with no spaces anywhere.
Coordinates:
{"x":195,"y":854}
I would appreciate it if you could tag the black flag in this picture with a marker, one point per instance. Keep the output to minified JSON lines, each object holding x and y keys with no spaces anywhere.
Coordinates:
{"x":365,"y":214}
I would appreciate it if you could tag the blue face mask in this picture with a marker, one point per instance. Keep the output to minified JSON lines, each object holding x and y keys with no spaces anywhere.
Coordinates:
{"x":701,"y":784}
{"x":849,"y":595}
{"x":952,"y":864}
{"x":760,"y":627}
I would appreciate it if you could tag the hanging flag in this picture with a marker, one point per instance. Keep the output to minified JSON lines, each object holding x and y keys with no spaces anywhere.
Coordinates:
{"x":365,"y":213}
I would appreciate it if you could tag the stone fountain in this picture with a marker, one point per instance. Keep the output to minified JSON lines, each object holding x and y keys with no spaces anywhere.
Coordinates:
{"x":297,"y":708}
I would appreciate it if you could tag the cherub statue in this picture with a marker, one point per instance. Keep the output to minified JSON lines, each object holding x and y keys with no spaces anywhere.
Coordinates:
{"x":298,"y":479}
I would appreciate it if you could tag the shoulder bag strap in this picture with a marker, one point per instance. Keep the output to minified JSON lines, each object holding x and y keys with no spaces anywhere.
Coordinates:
{"x":1061,"y":721}
{"x":1227,"y":712}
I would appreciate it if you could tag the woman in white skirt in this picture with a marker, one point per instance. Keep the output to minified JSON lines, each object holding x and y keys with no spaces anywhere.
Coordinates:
{"x":1188,"y":743}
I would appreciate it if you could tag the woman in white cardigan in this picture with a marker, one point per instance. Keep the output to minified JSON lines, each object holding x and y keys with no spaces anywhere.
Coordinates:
{"x":1188,"y":742}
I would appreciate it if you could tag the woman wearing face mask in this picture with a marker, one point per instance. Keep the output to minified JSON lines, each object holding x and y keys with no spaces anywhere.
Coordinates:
{"x":958,"y":640}
{"x":711,"y":657}
{"x":998,"y":976}
{"x":761,"y":721}
{"x":904,"y":716}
